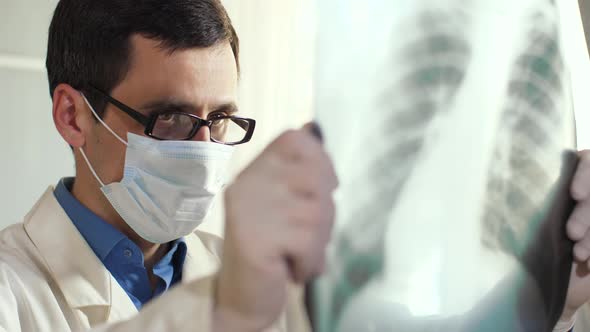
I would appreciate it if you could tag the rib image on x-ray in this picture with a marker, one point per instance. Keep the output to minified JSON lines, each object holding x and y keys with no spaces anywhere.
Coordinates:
{"x":451,"y":128}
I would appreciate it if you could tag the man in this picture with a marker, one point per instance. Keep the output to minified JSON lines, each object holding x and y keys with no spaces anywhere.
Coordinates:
{"x":145,"y":94}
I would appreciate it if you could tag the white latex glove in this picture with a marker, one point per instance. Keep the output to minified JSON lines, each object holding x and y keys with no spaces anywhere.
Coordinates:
{"x":578,"y":227}
{"x":279,"y":217}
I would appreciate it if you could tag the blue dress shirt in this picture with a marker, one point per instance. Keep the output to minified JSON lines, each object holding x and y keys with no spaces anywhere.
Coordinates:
{"x":119,"y":254}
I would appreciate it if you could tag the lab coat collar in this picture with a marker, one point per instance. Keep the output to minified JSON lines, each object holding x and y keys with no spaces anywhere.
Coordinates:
{"x":80,"y":275}
{"x":84,"y":281}
{"x":202,"y":258}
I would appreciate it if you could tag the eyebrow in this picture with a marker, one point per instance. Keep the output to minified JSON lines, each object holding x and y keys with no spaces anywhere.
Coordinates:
{"x":229,"y":108}
{"x":166,"y":105}
{"x":179,"y":106}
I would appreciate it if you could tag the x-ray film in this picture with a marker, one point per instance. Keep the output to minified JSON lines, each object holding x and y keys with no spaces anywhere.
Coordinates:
{"x":585,"y":11}
{"x":451,"y":128}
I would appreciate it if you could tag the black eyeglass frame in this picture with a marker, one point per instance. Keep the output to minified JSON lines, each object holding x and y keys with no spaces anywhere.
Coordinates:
{"x":149,"y":122}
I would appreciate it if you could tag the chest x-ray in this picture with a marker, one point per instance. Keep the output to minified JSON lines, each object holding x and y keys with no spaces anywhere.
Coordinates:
{"x":451,"y":128}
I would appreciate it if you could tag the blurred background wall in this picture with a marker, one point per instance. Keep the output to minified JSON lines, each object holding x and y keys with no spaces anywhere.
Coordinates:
{"x":32,"y":153}
{"x":276,"y":88}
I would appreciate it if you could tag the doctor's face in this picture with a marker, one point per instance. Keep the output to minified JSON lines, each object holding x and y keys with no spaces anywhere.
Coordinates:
{"x":202,"y":82}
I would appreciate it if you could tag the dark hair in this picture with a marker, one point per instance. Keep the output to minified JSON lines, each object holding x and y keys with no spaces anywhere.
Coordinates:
{"x":89,"y":40}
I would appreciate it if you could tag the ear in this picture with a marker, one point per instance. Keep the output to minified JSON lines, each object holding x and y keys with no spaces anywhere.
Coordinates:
{"x":70,"y":115}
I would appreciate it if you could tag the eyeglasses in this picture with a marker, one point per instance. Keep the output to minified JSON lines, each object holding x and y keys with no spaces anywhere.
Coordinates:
{"x":181,"y":126}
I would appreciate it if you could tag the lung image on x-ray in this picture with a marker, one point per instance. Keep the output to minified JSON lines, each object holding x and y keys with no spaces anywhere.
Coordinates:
{"x":452,"y":132}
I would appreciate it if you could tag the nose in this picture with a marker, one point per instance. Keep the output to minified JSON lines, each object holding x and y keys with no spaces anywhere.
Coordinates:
{"x":203,"y":134}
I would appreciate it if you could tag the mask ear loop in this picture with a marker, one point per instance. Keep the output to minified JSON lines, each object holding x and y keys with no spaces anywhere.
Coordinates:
{"x":91,"y":168}
{"x":109,"y":129}
{"x":102,"y":122}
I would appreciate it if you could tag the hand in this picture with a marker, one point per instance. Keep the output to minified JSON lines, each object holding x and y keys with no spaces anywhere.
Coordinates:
{"x":578,"y":228}
{"x":279,"y":217}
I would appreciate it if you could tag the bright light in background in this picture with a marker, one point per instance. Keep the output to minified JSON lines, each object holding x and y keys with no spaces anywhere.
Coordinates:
{"x":576,"y":53}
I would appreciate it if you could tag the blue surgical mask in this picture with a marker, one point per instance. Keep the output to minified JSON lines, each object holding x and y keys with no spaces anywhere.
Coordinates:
{"x":168,"y":187}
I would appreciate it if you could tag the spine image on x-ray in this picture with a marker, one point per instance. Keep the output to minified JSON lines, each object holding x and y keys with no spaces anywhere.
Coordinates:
{"x":473,"y":119}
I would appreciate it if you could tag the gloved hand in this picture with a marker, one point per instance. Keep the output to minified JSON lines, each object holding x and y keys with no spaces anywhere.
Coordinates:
{"x":279,"y":217}
{"x":578,"y":230}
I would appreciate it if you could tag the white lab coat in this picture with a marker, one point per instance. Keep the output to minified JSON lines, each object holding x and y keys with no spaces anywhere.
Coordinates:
{"x":51,"y":280}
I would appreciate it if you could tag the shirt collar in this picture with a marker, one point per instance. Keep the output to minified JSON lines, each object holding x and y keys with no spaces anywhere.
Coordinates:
{"x":171,"y":257}
{"x":169,"y":268}
{"x":100,"y":235}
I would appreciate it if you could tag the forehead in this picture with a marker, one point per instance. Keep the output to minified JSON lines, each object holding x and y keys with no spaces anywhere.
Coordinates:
{"x":198,"y":76}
